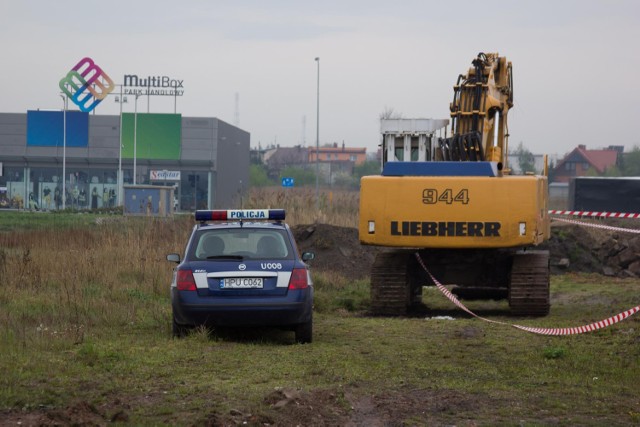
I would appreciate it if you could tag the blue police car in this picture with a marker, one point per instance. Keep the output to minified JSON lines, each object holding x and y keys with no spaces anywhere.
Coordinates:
{"x":242,"y":268}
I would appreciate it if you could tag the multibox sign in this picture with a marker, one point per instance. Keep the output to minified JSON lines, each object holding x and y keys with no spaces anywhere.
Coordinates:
{"x":86,"y":85}
{"x":164,"y":175}
{"x":152,"y":85}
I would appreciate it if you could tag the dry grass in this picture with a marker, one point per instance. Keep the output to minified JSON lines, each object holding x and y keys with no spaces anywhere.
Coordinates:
{"x":336,"y":207}
{"x":58,"y":282}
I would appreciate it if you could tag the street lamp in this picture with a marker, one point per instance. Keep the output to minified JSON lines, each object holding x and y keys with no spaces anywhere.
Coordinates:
{"x":64,"y":150}
{"x":318,"y":139}
{"x":135,"y":139}
{"x":120,"y":100}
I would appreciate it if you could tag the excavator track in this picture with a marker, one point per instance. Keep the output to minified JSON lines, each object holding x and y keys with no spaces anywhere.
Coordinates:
{"x":529,"y":284}
{"x":522,"y":277}
{"x":390,"y":293}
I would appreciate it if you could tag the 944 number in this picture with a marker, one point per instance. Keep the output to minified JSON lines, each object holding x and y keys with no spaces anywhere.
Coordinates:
{"x":431,"y":196}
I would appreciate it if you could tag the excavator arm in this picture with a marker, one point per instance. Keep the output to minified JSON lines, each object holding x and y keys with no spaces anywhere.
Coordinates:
{"x":481,"y":102}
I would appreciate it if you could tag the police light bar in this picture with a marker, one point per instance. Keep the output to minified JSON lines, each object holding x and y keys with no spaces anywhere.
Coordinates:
{"x":240,"y":214}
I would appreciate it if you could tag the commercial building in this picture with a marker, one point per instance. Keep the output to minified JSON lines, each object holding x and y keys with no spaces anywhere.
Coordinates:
{"x":53,"y":158}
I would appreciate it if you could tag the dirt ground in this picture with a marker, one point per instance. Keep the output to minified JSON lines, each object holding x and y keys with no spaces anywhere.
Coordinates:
{"x":573,"y":248}
{"x":344,"y":406}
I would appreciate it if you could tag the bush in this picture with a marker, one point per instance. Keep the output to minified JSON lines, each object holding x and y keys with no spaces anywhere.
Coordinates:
{"x":258,"y":176}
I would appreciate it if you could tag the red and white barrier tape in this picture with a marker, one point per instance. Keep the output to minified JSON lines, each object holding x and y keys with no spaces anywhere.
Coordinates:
{"x":595,"y":214}
{"x":582,"y":329}
{"x":540,"y":331}
{"x":601,"y":226}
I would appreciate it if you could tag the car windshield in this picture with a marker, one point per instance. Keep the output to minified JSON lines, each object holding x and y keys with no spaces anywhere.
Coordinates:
{"x":240,"y":243}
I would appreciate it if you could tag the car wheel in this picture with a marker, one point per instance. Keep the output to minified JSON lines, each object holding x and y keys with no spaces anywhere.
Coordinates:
{"x":304,"y":332}
{"x":179,"y":331}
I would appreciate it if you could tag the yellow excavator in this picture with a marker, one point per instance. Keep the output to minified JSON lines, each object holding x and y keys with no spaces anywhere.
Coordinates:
{"x":454,"y":201}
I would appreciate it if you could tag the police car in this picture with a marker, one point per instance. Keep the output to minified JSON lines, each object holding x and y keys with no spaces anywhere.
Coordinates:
{"x":242,"y":268}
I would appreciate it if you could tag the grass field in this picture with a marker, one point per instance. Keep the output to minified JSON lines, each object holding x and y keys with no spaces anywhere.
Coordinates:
{"x":85,"y":339}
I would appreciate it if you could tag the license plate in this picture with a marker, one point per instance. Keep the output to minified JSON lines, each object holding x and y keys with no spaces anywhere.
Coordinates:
{"x":241,"y":283}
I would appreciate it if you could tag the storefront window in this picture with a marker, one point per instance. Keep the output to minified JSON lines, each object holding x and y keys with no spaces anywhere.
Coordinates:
{"x":102,"y":189}
{"x":127,"y":176}
{"x":44,"y":190}
{"x":13,"y":191}
{"x":193,"y":191}
{"x":42,"y":184}
{"x":87,"y":188}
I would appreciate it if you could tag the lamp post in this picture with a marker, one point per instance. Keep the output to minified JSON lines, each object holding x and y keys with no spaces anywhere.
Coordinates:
{"x":318,"y":138}
{"x":135,"y":139}
{"x":120,"y":100}
{"x":64,"y":150}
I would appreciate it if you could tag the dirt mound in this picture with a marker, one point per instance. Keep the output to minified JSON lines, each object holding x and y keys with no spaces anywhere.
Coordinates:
{"x":579,"y":248}
{"x":573,"y":248}
{"x":337,"y":249}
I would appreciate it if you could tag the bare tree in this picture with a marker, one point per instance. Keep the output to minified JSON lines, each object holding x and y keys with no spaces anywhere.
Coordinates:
{"x":390,"y":113}
{"x":526,"y":160}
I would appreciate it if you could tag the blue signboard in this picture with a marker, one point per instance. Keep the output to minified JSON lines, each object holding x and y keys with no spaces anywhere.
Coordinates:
{"x":287,"y":182}
{"x":46,"y":128}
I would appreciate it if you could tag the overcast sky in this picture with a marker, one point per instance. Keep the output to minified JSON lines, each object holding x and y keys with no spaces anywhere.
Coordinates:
{"x":575,"y":63}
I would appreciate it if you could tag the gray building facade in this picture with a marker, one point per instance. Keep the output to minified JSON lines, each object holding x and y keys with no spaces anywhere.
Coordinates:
{"x":211,"y":170}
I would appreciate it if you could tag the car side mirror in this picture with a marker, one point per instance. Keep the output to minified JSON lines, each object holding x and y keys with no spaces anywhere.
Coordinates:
{"x":307,"y":256}
{"x":174,"y":258}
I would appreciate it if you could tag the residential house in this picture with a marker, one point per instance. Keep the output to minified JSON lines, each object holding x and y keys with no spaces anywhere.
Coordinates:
{"x":278,"y":158}
{"x":580,"y":161}
{"x":356,"y":156}
{"x":333,"y":161}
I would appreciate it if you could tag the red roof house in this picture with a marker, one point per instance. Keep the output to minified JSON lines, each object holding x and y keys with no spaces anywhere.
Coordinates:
{"x":581,"y":160}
